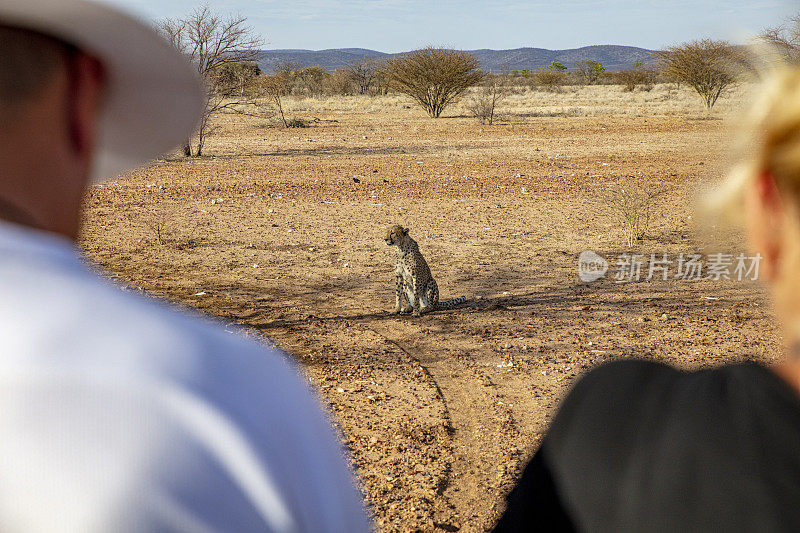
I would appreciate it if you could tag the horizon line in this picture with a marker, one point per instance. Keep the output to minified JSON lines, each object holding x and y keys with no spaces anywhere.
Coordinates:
{"x":463,"y":49}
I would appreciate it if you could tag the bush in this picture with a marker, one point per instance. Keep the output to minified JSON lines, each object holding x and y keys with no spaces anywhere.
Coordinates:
{"x":296,"y":122}
{"x":275,"y":88}
{"x":632,"y":205}
{"x":483,"y":102}
{"x":549,"y":78}
{"x":433,"y":77}
{"x":785,"y":40}
{"x":707,"y":66}
{"x":638,"y":75}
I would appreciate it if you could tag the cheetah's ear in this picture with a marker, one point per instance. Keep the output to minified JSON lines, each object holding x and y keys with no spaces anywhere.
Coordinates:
{"x":405,"y":231}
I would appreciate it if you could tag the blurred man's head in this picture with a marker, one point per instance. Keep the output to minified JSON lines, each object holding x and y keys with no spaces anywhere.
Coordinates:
{"x":87,"y":93}
{"x":50,"y":95}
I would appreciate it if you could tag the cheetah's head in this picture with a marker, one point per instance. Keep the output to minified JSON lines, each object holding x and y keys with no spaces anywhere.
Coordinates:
{"x":396,"y":235}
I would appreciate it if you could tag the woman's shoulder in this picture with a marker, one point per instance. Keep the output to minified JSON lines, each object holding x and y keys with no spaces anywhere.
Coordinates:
{"x":622,"y":383}
{"x":621,"y":406}
{"x":628,"y":379}
{"x":676,"y":443}
{"x":609,"y":398}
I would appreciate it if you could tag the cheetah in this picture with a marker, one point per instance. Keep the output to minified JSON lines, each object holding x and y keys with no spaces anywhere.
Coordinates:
{"x":413,"y":278}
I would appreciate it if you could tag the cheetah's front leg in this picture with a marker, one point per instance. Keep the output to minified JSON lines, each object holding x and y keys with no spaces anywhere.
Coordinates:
{"x":398,"y":295}
{"x":416,"y":298}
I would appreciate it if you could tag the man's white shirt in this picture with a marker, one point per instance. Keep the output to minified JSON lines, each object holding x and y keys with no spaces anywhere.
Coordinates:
{"x":118,"y":413}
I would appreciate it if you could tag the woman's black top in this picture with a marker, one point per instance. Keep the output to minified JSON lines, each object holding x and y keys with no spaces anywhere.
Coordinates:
{"x":639,"y":446}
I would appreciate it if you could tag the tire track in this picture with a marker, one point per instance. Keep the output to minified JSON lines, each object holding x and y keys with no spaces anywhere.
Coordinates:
{"x":482,"y":431}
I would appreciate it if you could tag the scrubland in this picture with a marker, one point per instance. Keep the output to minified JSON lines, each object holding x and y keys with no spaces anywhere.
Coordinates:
{"x":280,"y":230}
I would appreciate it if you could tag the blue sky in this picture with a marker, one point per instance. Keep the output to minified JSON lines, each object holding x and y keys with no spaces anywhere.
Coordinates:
{"x":400,"y":25}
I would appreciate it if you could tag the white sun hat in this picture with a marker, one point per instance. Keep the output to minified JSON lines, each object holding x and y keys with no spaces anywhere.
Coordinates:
{"x":154,"y":95}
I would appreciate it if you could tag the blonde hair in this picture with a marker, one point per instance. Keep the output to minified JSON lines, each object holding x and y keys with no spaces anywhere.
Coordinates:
{"x":772,"y":144}
{"x":770,"y":140}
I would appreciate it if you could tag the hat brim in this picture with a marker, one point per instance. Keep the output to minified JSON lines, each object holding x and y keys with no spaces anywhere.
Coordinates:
{"x":154,"y":95}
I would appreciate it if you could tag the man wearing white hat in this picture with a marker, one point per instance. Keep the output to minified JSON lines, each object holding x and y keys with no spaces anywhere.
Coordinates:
{"x":116,"y":412}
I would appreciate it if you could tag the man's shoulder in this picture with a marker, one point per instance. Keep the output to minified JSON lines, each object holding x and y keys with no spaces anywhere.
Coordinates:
{"x":230,"y":411}
{"x":97,"y":322}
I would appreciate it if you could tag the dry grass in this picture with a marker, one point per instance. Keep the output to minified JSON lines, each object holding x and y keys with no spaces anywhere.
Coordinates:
{"x":570,"y":101}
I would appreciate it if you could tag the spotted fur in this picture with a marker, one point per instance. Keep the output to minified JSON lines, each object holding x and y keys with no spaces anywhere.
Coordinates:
{"x":413,"y":279}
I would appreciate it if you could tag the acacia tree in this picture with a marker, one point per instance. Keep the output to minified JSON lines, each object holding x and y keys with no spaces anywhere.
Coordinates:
{"x":707,"y":66}
{"x":211,"y":42}
{"x":590,"y":70}
{"x":785,"y":39}
{"x":433,"y":77}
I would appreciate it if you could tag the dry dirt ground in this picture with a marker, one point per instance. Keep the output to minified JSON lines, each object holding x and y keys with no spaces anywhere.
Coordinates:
{"x":281,"y":231}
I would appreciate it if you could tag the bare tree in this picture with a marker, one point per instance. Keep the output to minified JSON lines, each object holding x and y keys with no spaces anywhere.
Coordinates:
{"x":707,"y":66}
{"x":433,"y":77}
{"x":339,"y":83}
{"x":211,"y":42}
{"x":785,"y":39}
{"x":287,"y":67}
{"x":484,"y":101}
{"x":365,"y":74}
{"x":275,"y":87}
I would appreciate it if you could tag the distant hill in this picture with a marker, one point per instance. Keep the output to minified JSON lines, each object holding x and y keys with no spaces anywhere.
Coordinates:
{"x":613,"y":57}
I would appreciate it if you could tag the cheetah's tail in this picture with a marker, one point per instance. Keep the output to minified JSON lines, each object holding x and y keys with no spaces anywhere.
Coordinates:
{"x":453,"y":302}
